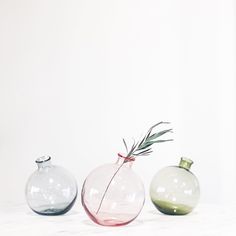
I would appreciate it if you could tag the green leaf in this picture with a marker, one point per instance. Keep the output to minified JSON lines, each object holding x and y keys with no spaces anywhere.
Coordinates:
{"x":150,"y":130}
{"x":132,"y":149}
{"x":142,"y":140}
{"x":125,"y":145}
{"x":147,"y":153}
{"x":161,"y":140}
{"x":144,"y":145}
{"x":156,"y":135}
{"x":147,"y":150}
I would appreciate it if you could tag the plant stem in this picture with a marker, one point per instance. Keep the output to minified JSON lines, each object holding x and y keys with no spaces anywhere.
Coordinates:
{"x":104,"y":194}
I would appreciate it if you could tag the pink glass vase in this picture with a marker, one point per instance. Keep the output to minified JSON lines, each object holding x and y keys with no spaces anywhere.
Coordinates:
{"x":112,"y":194}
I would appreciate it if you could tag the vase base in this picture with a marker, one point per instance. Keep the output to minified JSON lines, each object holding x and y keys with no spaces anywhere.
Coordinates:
{"x":106,"y":219}
{"x":55,"y":211}
{"x":111,"y":222}
{"x":170,"y":208}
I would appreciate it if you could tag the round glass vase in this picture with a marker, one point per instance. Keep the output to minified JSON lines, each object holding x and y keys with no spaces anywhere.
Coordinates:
{"x":113,"y":194}
{"x":174,"y":190}
{"x":50,"y":190}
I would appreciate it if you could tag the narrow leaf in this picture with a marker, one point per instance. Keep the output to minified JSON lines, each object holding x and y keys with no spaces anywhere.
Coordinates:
{"x":147,"y":150}
{"x":125,"y":145}
{"x":162,"y":140}
{"x":156,"y":135}
{"x":145,"y":145}
{"x":142,"y":141}
{"x":150,"y":130}
{"x":146,"y":153}
{"x":132,"y":149}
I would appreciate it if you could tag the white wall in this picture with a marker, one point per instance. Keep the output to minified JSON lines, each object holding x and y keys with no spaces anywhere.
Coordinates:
{"x":77,"y":76}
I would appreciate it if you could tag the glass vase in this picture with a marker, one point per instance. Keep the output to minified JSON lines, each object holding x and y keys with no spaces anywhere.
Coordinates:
{"x":113,"y":194}
{"x":175,"y":190}
{"x":50,"y":190}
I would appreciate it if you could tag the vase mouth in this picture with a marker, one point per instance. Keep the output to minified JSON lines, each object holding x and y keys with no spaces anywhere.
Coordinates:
{"x":185,"y":163}
{"x":43,"y":159}
{"x":126,"y":159}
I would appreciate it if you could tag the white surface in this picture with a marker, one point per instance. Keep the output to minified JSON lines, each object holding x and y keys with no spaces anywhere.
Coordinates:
{"x":77,"y":76}
{"x":204,"y":221}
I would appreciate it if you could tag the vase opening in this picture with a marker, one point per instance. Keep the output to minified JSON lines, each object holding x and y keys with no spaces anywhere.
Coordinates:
{"x":43,"y":161}
{"x":122,"y":159}
{"x":185,"y":163}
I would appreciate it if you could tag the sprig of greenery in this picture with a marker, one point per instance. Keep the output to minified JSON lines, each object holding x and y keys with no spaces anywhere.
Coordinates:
{"x":143,"y":147}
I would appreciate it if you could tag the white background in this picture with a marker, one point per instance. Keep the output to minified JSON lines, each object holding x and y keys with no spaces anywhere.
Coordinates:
{"x":78,"y":76}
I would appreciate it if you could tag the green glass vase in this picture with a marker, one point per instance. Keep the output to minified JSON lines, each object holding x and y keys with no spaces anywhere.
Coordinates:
{"x":175,"y":190}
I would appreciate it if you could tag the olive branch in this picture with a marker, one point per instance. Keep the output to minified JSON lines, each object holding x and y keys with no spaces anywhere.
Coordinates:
{"x":143,"y":147}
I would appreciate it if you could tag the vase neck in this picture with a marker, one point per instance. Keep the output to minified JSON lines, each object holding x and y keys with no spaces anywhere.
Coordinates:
{"x":44,"y":161}
{"x":185,"y":163}
{"x":122,"y":159}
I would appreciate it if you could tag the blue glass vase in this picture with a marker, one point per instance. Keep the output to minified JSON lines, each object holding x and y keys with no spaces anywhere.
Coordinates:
{"x":50,"y":190}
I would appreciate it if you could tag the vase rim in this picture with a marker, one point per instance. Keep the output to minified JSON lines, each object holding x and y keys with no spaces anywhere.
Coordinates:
{"x":185,"y":163}
{"x":127,"y":159}
{"x":43,"y":159}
